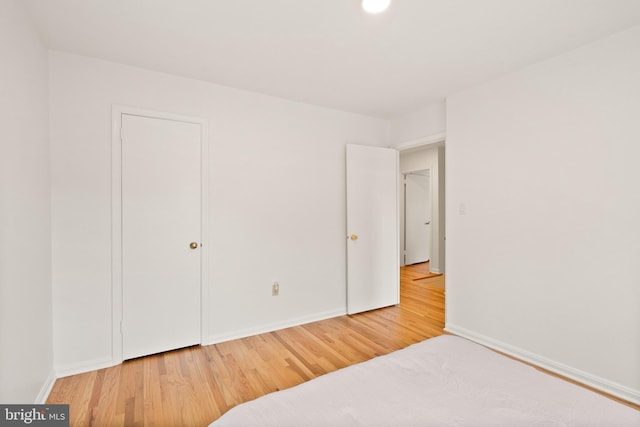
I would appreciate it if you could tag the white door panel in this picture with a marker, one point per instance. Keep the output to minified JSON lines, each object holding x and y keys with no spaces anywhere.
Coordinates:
{"x":161,"y":210}
{"x":372,"y":227}
{"x":417,"y":218}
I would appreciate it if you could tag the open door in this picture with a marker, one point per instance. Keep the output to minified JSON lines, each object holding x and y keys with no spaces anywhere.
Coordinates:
{"x":373,"y":278}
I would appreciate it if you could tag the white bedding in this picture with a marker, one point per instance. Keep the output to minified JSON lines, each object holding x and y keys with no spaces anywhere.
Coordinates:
{"x":443,"y":381}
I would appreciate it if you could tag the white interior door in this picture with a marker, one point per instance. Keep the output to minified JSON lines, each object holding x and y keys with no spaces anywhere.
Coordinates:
{"x":417,"y":224}
{"x":373,"y":278}
{"x":161,"y":234}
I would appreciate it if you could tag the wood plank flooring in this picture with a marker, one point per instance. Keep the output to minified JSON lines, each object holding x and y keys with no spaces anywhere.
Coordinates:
{"x":194,"y":386}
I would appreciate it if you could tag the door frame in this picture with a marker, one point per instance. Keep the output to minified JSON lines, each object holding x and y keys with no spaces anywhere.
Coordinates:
{"x":116,"y":220}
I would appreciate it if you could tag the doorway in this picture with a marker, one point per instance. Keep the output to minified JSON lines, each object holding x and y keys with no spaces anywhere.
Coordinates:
{"x":415,"y":160}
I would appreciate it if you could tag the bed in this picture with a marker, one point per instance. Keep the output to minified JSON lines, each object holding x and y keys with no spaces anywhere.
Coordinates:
{"x":443,"y":381}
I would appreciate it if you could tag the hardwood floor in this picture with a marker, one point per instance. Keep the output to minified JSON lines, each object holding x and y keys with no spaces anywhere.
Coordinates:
{"x":194,"y":386}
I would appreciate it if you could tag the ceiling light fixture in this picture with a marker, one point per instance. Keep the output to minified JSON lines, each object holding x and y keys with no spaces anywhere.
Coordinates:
{"x":375,"y":6}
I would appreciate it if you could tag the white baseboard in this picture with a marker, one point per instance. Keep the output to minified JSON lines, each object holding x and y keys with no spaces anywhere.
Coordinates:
{"x":243,"y":333}
{"x":82,"y":367}
{"x":93,"y":365}
{"x":601,"y":384}
{"x":46,"y":388}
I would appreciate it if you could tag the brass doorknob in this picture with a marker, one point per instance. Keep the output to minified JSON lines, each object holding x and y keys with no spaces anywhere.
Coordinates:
{"x":193,"y":245}
{"x":354,"y":237}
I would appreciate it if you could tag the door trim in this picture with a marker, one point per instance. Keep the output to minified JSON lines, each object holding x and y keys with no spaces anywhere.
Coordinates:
{"x":116,"y":221}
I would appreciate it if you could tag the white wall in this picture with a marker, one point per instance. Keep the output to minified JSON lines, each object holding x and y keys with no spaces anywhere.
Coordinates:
{"x":26,"y":355}
{"x":277,"y":202}
{"x":544,"y":263}
{"x":425,"y":122}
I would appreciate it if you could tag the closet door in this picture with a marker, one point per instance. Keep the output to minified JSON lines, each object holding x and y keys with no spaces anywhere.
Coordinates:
{"x":161,"y":234}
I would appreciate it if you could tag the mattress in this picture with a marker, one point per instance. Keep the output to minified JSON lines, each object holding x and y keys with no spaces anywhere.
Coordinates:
{"x":443,"y":381}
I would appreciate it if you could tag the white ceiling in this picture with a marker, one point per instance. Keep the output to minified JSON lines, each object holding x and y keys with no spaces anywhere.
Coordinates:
{"x":330,"y":52}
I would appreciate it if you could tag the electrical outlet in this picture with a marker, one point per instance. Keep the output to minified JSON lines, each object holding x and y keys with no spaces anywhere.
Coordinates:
{"x":275,"y":289}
